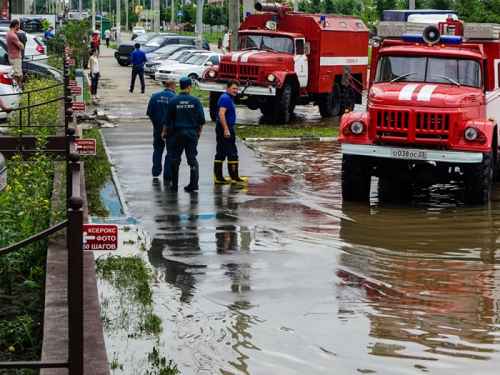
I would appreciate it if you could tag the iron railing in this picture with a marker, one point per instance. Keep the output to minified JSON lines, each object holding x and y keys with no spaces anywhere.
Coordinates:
{"x":62,"y":145}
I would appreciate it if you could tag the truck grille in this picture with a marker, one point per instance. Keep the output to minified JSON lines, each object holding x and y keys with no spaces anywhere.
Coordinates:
{"x":240,"y":72}
{"x":411,"y":125}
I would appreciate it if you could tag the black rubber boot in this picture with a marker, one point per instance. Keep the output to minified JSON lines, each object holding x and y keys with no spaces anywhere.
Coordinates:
{"x":193,"y":179}
{"x":218,"y":175}
{"x":232,"y":167}
{"x":174,"y":182}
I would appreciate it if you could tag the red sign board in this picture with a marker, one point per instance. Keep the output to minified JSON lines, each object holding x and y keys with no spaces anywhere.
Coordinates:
{"x":100,"y":237}
{"x":86,"y":146}
{"x":72,"y":82}
{"x":75,"y":90}
{"x":78,"y":106}
{"x":71,"y":62}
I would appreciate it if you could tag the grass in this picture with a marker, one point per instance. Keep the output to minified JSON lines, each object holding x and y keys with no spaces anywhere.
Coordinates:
{"x":200,"y":94}
{"x":97,"y":174}
{"x":285,"y":131}
{"x":113,"y":45}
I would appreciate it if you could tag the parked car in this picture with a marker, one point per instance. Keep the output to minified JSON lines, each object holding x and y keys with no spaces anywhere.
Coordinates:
{"x":193,"y":67}
{"x":34,"y":49}
{"x":122,"y":55}
{"x":156,"y":58}
{"x":165,"y":39}
{"x":137,"y":30}
{"x":31,"y":25}
{"x":11,"y":95}
{"x":175,"y":59}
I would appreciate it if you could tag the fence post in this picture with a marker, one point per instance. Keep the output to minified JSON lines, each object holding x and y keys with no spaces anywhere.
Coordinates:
{"x":75,"y":271}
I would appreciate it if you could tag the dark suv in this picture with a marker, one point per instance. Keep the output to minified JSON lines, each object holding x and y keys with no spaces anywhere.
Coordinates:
{"x":154,"y":43}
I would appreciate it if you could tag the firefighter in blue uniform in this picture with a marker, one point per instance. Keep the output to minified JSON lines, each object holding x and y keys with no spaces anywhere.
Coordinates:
{"x":185,"y":119}
{"x":157,"y":112}
{"x":226,"y":137}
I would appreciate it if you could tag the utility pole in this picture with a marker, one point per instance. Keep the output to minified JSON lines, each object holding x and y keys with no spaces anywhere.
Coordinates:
{"x":118,"y":21}
{"x":199,"y":23}
{"x":93,"y":15}
{"x":80,"y":8}
{"x":126,"y":16}
{"x":172,"y":13}
{"x":234,"y":22}
{"x":411,"y":4}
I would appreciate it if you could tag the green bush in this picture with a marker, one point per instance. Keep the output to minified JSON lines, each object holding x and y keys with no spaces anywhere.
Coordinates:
{"x":24,"y":211}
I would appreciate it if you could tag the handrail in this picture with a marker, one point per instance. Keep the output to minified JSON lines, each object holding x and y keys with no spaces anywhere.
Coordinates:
{"x":34,"y":90}
{"x":36,"y":237}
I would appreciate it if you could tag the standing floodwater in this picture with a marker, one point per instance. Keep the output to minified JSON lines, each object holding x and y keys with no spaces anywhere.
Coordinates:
{"x":283,"y":278}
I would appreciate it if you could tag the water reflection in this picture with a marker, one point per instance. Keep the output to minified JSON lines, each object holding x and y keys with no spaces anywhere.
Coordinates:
{"x":425,"y":279}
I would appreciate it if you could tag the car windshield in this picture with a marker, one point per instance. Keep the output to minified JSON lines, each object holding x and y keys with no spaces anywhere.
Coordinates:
{"x":156,"y":41}
{"x":196,"y":59}
{"x":452,"y":71}
{"x":273,"y":43}
{"x":143,"y":38}
{"x":167,"y":49}
{"x":185,"y":57}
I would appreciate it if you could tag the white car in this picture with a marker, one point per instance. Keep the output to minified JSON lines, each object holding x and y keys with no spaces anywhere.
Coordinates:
{"x":34,"y":49}
{"x":9,"y":91}
{"x":193,"y":67}
{"x":177,"y":58}
{"x":137,"y":30}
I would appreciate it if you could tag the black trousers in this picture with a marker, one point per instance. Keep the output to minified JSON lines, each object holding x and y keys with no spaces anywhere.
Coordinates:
{"x":137,"y":72}
{"x":94,"y":83}
{"x":226,"y":147}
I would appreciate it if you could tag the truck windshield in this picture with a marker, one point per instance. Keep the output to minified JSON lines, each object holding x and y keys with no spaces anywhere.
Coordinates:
{"x":274,"y":43}
{"x":429,"y":69}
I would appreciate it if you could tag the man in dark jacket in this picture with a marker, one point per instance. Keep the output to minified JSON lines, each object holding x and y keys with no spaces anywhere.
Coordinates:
{"x":138,"y":59}
{"x":185,"y":119}
{"x":157,"y":112}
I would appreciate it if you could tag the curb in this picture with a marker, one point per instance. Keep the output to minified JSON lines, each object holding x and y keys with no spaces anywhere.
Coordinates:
{"x":295,"y":139}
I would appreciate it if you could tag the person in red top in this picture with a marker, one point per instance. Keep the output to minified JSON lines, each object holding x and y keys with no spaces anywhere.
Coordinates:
{"x":14,"y":48}
{"x":95,"y":43}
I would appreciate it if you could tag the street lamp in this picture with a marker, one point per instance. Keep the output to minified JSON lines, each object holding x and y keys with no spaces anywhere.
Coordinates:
{"x":3,"y":173}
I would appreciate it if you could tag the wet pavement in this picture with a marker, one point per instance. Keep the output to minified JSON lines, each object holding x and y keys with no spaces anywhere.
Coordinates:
{"x":284,"y":278}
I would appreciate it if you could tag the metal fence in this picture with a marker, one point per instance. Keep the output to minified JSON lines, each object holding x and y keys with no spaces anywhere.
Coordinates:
{"x":62,"y":144}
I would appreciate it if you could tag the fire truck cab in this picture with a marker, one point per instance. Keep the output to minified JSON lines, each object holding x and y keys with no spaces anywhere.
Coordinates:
{"x":287,"y":58}
{"x":432,"y":112}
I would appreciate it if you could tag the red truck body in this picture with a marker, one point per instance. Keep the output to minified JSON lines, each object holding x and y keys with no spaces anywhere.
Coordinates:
{"x":319,"y":58}
{"x":440,"y":113}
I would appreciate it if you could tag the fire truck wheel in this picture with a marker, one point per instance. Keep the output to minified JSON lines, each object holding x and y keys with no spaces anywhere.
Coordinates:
{"x":329,"y":104}
{"x":355,"y":178}
{"x":478,"y":179}
{"x":283,"y":105}
{"x":212,"y":101}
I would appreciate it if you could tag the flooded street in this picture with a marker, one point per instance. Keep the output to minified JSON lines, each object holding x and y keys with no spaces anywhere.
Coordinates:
{"x":282,"y":277}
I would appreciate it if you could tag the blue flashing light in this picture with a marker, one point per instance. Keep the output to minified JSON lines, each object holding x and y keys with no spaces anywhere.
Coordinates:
{"x":322,"y":19}
{"x":451,"y":39}
{"x":413,"y":38}
{"x":248,"y":14}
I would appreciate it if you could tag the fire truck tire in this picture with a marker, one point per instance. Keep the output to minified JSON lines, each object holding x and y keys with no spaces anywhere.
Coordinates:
{"x":213,"y":99}
{"x":329,"y":104}
{"x":478,"y":179}
{"x":283,"y":105}
{"x":355,"y":178}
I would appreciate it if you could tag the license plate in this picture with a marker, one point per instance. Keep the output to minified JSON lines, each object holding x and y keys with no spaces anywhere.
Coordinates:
{"x":401,"y":153}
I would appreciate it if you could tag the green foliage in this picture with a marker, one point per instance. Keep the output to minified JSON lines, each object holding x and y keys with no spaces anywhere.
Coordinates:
{"x":45,"y":24}
{"x":159,"y":365}
{"x":97,"y":174}
{"x":77,"y":35}
{"x":25,"y":210}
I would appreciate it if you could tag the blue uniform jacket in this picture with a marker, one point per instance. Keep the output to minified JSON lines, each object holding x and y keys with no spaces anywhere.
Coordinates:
{"x":138,"y":58}
{"x":185,"y":114}
{"x":157,"y":107}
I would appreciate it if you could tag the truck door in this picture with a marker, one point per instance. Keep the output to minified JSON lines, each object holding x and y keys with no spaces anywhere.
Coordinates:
{"x":301,"y":63}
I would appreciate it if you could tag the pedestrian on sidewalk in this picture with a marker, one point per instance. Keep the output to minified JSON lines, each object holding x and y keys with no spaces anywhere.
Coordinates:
{"x":107,"y":36}
{"x":95,"y":73}
{"x":14,"y":48}
{"x":138,"y":58}
{"x":95,"y":42}
{"x":226,"y":137}
{"x":157,"y":112}
{"x":185,"y":119}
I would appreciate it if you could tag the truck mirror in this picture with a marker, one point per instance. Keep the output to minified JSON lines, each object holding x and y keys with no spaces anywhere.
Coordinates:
{"x":209,"y":63}
{"x":307,"y":48}
{"x":3,"y":173}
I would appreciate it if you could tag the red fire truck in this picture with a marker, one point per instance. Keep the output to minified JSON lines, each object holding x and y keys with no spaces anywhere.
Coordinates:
{"x":432,"y":112}
{"x":287,"y":58}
